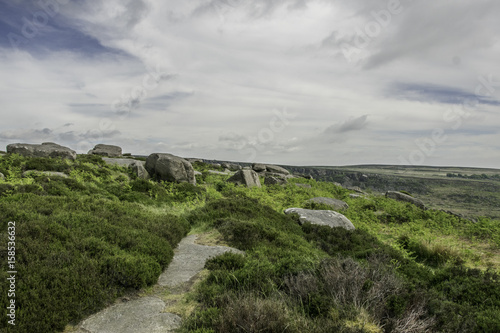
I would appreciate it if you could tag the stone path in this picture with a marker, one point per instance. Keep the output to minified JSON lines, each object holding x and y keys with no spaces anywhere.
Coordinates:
{"x":146,"y":314}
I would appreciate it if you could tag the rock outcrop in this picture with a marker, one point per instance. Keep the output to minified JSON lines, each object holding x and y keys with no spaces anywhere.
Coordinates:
{"x":231,"y":166}
{"x":46,"y":149}
{"x":405,"y":197}
{"x":322,"y":217}
{"x":138,"y":167}
{"x":106,"y":150}
{"x":258,"y":167}
{"x":246,"y":177}
{"x":334,"y":203}
{"x":272,"y":180}
{"x":170,"y":168}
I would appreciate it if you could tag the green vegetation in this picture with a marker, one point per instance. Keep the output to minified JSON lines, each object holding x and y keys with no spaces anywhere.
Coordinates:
{"x":85,"y":240}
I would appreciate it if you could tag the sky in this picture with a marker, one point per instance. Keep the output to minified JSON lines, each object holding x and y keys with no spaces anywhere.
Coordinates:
{"x":291,"y":82}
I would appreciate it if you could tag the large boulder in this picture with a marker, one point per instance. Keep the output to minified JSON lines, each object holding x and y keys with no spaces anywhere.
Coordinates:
{"x":245,"y":177}
{"x":334,"y":203}
{"x":277,"y":169}
{"x":170,"y":168}
{"x":106,"y":150}
{"x":405,"y":198}
{"x":257,"y":167}
{"x":322,"y":217}
{"x":138,"y":167}
{"x":231,"y":166}
{"x":46,"y":149}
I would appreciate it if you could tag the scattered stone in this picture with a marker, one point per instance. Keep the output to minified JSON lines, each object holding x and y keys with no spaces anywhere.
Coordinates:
{"x":335,"y":203}
{"x":271,"y":180}
{"x":45,"y":173}
{"x":106,"y":150}
{"x":141,"y":315}
{"x":138,"y":167}
{"x":194,"y":160}
{"x":277,"y":169}
{"x":405,"y":197}
{"x":322,"y":217}
{"x":170,"y":168}
{"x":231,"y":166}
{"x":257,"y":167}
{"x":303,"y":185}
{"x":46,"y":149}
{"x":355,"y":196}
{"x":245,"y":177}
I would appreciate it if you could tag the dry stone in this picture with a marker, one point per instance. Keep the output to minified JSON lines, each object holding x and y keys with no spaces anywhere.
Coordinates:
{"x":106,"y":150}
{"x":322,"y":217}
{"x":245,"y":177}
{"x":170,"y":168}
{"x":46,"y":149}
{"x":405,"y":198}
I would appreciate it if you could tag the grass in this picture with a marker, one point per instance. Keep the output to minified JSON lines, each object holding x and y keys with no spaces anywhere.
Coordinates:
{"x":85,"y":240}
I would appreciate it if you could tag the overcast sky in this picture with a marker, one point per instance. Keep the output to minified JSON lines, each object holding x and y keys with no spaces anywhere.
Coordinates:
{"x":301,"y":82}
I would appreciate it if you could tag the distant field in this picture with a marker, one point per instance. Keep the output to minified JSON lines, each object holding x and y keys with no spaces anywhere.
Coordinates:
{"x":469,"y":191}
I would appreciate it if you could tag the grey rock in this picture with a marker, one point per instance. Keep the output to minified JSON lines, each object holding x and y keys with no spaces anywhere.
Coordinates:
{"x":355,"y":196}
{"x":45,"y":173}
{"x":142,"y":315}
{"x":189,"y":259}
{"x":231,"y":166}
{"x":246,"y":177}
{"x":277,"y":169}
{"x":322,"y":217}
{"x":405,"y":198}
{"x":355,"y":189}
{"x":170,"y":168}
{"x":303,"y":185}
{"x":257,"y":167}
{"x":138,"y":167}
{"x":46,"y":149}
{"x":334,"y":203}
{"x":271,"y":180}
{"x":106,"y":150}
{"x":197,"y":173}
{"x":2,"y":177}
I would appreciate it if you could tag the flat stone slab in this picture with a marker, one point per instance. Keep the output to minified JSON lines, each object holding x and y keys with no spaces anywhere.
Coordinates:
{"x":121,"y":161}
{"x":141,"y":315}
{"x":322,"y":217}
{"x":189,"y":259}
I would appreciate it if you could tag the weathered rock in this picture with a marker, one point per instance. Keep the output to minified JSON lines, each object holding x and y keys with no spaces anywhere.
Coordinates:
{"x":322,"y":217}
{"x":106,"y":150}
{"x":2,"y":177}
{"x":355,"y":196}
{"x":46,"y":149}
{"x":137,"y":316}
{"x":245,"y":177}
{"x":138,"y":167}
{"x":302,"y":175}
{"x":355,"y":189}
{"x":197,"y":173}
{"x":170,"y":168}
{"x":44,"y":173}
{"x":405,"y":197}
{"x":277,"y":169}
{"x":271,"y":180}
{"x":231,"y":166}
{"x":334,"y":203}
{"x":258,"y":167}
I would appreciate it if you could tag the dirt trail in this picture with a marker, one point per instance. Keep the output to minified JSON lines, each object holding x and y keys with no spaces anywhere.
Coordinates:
{"x":147,"y":314}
